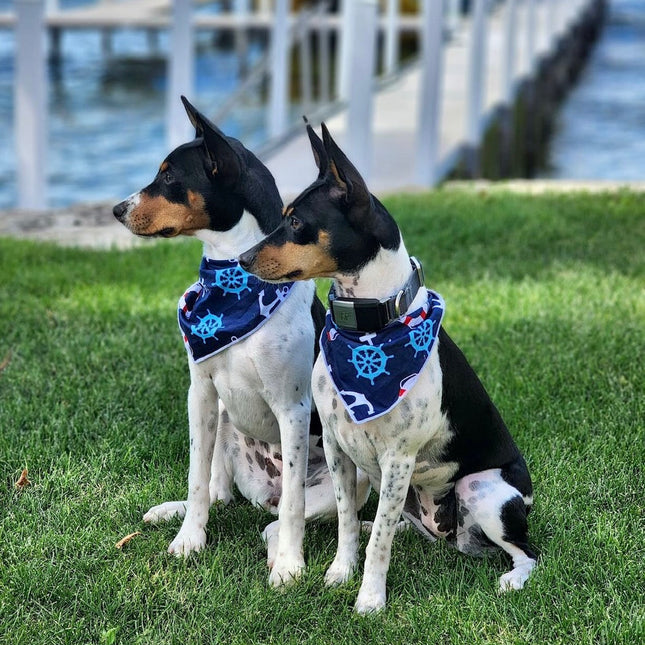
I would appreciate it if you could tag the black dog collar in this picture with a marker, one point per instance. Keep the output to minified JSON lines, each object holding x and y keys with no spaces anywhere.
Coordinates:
{"x":370,"y":314}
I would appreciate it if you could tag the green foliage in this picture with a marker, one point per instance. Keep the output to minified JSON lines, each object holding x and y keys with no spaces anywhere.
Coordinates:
{"x":546,"y":297}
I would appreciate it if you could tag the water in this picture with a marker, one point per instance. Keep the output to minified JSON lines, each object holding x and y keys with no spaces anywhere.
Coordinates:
{"x":107,"y":117}
{"x":600,"y":131}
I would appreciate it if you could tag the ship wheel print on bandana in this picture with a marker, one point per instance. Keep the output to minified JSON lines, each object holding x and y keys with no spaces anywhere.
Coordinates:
{"x":422,"y":337}
{"x":207,"y":326}
{"x":369,"y":361}
{"x":232,"y":280}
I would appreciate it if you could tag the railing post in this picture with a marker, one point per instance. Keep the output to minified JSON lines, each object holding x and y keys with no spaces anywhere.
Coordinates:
{"x":279,"y":88}
{"x":180,"y":73}
{"x":324,"y":58}
{"x":392,"y":37}
{"x":346,"y":11}
{"x":306,"y":70}
{"x":427,"y":151}
{"x":30,"y":104}
{"x":476,"y":86}
{"x":361,"y":80}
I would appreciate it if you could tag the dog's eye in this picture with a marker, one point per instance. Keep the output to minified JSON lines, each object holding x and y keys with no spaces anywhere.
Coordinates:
{"x":295,"y":223}
{"x":168,"y":177}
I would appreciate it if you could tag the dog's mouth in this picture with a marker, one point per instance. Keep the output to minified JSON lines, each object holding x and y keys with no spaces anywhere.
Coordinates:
{"x":287,"y":277}
{"x":169,"y":231}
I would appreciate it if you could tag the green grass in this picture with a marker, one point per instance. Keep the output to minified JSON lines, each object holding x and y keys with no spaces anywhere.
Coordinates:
{"x":546,"y":296}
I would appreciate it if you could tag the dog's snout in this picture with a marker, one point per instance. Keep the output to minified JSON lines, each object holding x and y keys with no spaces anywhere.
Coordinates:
{"x":120,"y":210}
{"x":247,"y":259}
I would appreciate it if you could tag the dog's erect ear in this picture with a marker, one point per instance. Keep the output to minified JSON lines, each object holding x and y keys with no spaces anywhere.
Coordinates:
{"x":317,"y":147}
{"x":193,"y":116}
{"x":345,"y":179}
{"x":224,"y":160}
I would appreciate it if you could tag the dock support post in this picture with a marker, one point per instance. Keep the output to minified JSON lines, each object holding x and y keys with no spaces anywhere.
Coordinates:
{"x":509,"y":67}
{"x":476,"y":85}
{"x":180,"y":73}
{"x":429,"y":114}
{"x":30,"y":101}
{"x":361,"y":80}
{"x":279,"y":88}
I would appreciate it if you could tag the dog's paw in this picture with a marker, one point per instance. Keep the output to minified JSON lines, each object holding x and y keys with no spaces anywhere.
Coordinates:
{"x":369,"y":602}
{"x":515,"y":579}
{"x":164,"y":512}
{"x":270,"y":538}
{"x":286,"y":571}
{"x":221,"y":496}
{"x":188,"y":540}
{"x":339,"y":573}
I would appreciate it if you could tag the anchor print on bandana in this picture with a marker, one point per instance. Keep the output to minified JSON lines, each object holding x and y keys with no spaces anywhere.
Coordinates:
{"x":225,"y":306}
{"x":372,"y":372}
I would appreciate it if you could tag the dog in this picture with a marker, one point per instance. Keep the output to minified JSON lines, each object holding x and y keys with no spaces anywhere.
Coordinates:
{"x":249,"y":401}
{"x":396,"y":396}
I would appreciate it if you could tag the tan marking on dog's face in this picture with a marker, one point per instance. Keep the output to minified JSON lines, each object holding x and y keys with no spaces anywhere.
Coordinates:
{"x":296,"y":261}
{"x":155,"y":215}
{"x":287,"y":210}
{"x":163,"y":167}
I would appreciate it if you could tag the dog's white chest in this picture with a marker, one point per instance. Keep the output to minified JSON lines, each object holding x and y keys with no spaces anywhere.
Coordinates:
{"x":416,"y":426}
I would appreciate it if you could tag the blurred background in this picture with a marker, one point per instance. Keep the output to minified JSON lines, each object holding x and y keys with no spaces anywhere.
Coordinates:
{"x":578,"y":69}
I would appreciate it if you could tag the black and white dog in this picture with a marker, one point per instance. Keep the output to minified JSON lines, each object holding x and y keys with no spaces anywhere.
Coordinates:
{"x":251,"y":350}
{"x":396,"y":396}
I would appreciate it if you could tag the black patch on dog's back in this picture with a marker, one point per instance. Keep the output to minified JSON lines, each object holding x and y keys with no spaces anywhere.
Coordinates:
{"x":481,"y":439}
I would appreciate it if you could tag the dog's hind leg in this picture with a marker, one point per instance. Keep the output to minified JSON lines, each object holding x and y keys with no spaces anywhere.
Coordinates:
{"x":320,"y":502}
{"x":202,"y":417}
{"x":491,"y":511}
{"x":220,"y":487}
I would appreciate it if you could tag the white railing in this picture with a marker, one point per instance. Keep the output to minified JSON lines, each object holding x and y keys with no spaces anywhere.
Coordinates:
{"x":355,"y":25}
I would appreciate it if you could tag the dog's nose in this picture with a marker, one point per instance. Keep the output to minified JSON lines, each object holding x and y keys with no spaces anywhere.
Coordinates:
{"x":120,"y":209}
{"x":247,"y":259}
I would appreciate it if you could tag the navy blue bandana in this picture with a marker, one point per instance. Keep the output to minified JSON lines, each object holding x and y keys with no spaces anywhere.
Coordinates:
{"x":373,"y":372}
{"x":225,"y":306}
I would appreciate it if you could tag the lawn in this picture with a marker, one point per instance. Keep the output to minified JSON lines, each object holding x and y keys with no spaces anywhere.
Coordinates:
{"x":546,"y":296}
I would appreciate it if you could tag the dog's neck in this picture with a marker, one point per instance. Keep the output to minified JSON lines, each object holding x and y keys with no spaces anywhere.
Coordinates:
{"x":225,"y":245}
{"x":380,"y":278}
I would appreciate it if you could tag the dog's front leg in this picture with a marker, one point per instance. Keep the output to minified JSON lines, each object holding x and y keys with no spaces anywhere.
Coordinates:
{"x":343,"y":474}
{"x":202,"y":419}
{"x":289,"y":560}
{"x":396,"y":472}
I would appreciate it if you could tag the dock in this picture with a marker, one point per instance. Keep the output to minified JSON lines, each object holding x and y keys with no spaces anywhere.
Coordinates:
{"x":502,"y":66}
{"x":394,"y":130}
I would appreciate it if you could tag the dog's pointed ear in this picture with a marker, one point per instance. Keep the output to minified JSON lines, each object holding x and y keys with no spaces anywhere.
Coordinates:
{"x":224,"y":160}
{"x":346,"y":180}
{"x":193,"y":116}
{"x":317,"y":147}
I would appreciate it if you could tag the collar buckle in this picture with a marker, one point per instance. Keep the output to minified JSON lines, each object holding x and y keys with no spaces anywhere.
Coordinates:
{"x":370,"y":314}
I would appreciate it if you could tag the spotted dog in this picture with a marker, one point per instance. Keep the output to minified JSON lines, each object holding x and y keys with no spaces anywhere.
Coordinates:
{"x":396,"y":396}
{"x":250,"y":347}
